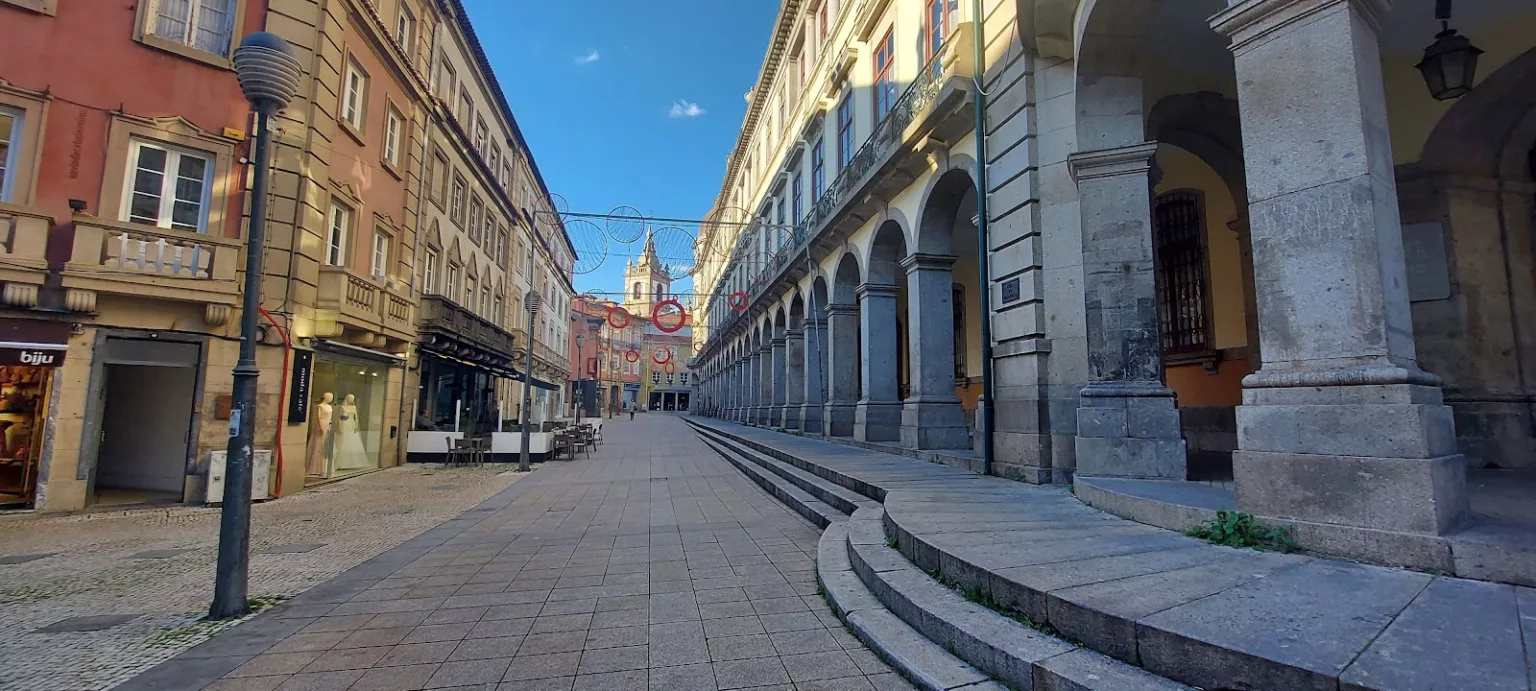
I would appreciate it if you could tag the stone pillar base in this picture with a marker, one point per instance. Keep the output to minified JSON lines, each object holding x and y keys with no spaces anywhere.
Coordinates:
{"x":791,"y":416}
{"x":837,"y":420}
{"x":771,"y":416}
{"x":810,"y":419}
{"x":1129,"y":429}
{"x":934,"y":425}
{"x":1377,"y":456}
{"x":877,"y":421}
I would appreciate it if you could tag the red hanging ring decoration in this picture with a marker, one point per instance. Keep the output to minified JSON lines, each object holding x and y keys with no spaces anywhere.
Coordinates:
{"x":671,"y":368}
{"x":656,"y":356}
{"x":737,"y":301}
{"x":616,"y":310}
{"x":631,"y":355}
{"x":698,"y":347}
{"x":656,"y":316}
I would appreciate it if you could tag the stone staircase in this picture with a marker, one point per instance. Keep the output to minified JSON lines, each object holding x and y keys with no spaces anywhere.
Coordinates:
{"x":963,"y":581}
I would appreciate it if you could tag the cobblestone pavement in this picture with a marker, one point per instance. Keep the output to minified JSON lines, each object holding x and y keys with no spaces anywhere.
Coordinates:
{"x":144,"y":578}
{"x":653,"y":564}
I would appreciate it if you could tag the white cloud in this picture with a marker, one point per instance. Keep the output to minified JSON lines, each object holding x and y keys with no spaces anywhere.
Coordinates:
{"x":685,"y":109}
{"x":591,"y":57}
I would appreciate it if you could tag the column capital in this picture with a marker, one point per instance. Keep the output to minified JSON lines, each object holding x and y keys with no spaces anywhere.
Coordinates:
{"x":874,"y":289}
{"x":794,"y":334}
{"x":1249,"y":21}
{"x":838,"y":309}
{"x":777,"y":342}
{"x":766,"y":348}
{"x":1109,"y":163}
{"x":923,"y":261}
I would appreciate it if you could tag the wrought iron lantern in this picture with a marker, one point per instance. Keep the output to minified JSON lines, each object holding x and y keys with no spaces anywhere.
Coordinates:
{"x":1450,"y":63}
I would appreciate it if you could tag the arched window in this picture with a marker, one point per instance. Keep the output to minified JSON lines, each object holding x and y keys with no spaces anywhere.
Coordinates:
{"x":657,"y":294}
{"x":637,"y":290}
{"x":1178,"y":247}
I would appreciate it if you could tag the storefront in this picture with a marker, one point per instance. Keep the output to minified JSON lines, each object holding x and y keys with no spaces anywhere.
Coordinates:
{"x":347,"y":417}
{"x":30,"y":354}
{"x":458,"y":396}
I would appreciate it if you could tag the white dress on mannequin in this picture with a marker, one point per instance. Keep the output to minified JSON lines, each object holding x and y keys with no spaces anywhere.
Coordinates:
{"x":350,"y":452}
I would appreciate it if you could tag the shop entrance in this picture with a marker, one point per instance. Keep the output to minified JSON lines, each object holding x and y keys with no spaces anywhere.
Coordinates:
{"x":24,"y":395}
{"x":146,"y":393}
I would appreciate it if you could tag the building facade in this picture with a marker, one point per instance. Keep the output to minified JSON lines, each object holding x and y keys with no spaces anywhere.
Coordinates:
{"x":609,"y":357}
{"x":1241,"y":241}
{"x":124,"y":145}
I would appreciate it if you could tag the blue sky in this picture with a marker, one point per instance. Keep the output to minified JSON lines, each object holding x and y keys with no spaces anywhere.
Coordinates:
{"x":627,"y":102}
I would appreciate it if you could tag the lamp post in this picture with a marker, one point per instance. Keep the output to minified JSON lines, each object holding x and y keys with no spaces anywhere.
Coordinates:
{"x":532,"y":302}
{"x":269,"y":74}
{"x":581,"y":371}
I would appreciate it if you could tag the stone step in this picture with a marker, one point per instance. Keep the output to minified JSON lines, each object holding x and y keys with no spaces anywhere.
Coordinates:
{"x":825,"y":473}
{"x":798,"y":500}
{"x":918,"y":659}
{"x":1008,"y":650}
{"x":1202,"y":615}
{"x":836,"y":496}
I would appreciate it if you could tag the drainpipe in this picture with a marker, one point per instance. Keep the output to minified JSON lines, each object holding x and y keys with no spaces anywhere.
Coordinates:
{"x":982,"y":246}
{"x":421,"y":208}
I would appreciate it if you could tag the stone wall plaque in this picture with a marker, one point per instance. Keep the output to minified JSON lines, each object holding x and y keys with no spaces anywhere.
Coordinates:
{"x":1429,"y":273}
{"x":1010,"y":290}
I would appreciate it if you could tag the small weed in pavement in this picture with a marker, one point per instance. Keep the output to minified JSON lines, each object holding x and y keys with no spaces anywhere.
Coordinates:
{"x":1240,"y":529}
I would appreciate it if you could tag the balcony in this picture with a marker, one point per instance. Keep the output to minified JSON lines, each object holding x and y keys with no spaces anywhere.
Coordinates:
{"x":448,"y":329}
{"x":551,"y":359}
{"x":933,"y":113}
{"x":144,"y":261}
{"x":23,"y":254}
{"x":346,"y":299}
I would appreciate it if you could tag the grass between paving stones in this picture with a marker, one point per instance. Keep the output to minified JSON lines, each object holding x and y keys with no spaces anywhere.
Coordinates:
{"x":974,"y":594}
{"x":1240,"y":529}
{"x":203,"y":628}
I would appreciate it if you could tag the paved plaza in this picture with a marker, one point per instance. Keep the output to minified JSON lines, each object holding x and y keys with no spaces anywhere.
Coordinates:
{"x":653,"y":564}
{"x":91,"y":599}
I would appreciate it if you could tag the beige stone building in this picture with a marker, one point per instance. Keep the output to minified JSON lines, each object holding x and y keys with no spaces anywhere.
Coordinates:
{"x":1263,"y":254}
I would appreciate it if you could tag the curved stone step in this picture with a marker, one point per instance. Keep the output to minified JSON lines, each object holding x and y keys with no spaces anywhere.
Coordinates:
{"x":918,"y":659}
{"x":836,"y":496}
{"x":840,"y":479}
{"x":1007,"y":650}
{"x":798,"y":500}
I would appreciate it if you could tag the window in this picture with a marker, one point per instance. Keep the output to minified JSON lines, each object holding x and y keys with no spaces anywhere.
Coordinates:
{"x":10,"y":150}
{"x":783,"y":123}
{"x":439,"y":177}
{"x":466,"y":109}
{"x":469,"y":292}
{"x":495,"y":159}
{"x":429,"y":274}
{"x":1178,"y":246}
{"x":354,"y":95}
{"x":501,"y":246}
{"x":393,"y":125}
{"x":380,"y":264}
{"x":636,"y":293}
{"x":207,"y":25}
{"x":845,"y":131}
{"x":485,"y":299}
{"x":405,"y":28}
{"x":490,"y":230}
{"x":655,"y":377}
{"x":797,"y":210}
{"x":506,"y":172}
{"x":170,"y":187}
{"x":482,"y":133}
{"x":476,"y":207}
{"x":498,"y":314}
{"x":935,"y":29}
{"x":452,"y":289}
{"x":456,"y":204}
{"x":821,"y":23}
{"x":885,"y":77}
{"x":445,"y":80}
{"x":818,"y":170}
{"x":336,"y":234}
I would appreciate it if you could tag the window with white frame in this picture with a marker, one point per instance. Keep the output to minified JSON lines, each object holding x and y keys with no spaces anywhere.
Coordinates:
{"x":380,"y":265}
{"x":429,"y":274}
{"x":476,"y":207}
{"x":405,"y":29}
{"x":655,"y":377}
{"x":469,"y":292}
{"x":456,"y":203}
{"x":482,"y":134}
{"x":10,"y":150}
{"x":336,"y":233}
{"x":207,"y":25}
{"x":466,"y":109}
{"x":169,"y":186}
{"x":495,"y":160}
{"x":497,"y":313}
{"x":354,"y":95}
{"x":445,"y":80}
{"x":394,"y":125}
{"x":454,"y":272}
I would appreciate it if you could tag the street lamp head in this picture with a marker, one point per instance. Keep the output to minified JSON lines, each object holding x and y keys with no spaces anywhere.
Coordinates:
{"x":534,"y":302}
{"x":268,"y":70}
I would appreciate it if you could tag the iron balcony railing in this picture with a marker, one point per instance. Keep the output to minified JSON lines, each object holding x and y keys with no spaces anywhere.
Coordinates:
{"x":886,"y":138}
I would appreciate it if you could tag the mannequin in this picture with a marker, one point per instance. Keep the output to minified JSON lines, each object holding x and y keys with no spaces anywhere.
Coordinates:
{"x":319,"y":435}
{"x":350,"y":453}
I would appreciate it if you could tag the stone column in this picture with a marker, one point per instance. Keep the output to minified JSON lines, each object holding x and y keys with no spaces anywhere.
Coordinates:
{"x":754,"y":385}
{"x":738,"y":388}
{"x":1127,"y":420}
{"x":815,"y":359}
{"x":1250,"y":296}
{"x":794,"y":377}
{"x":878,"y":416}
{"x":765,"y":383}
{"x":842,"y":367}
{"x":931,"y":417}
{"x":1339,"y":425}
{"x":778,"y":372}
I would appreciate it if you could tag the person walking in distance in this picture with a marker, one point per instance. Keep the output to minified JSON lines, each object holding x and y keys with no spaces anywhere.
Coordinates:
{"x":631,"y":411}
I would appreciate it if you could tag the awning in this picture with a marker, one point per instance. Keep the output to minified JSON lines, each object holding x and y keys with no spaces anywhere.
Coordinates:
{"x":380,"y":356}
{"x":498,"y":370}
{"x":539,"y":383}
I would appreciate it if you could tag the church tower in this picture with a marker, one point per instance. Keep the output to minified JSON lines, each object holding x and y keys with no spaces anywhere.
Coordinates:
{"x":646,"y":281}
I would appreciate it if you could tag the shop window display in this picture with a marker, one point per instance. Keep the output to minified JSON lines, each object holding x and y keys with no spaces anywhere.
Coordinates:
{"x":23,"y":390}
{"x":346,"y":422}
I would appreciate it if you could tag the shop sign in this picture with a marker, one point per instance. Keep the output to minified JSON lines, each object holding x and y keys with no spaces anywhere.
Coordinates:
{"x":31,"y":354}
{"x":298,"y":387}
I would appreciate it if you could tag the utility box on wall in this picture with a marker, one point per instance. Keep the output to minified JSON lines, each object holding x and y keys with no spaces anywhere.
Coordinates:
{"x":261,"y":460}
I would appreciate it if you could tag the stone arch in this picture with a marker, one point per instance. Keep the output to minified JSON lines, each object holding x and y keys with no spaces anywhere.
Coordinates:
{"x":1045,"y":26}
{"x":846,"y":279}
{"x":1108,"y":44}
{"x":886,"y":250}
{"x":941,"y":204}
{"x":1208,"y":125}
{"x":796,"y":310}
{"x":1474,"y":136}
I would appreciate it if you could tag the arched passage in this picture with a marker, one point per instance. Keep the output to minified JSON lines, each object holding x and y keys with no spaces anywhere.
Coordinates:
{"x":776,"y":368}
{"x":882,"y":322}
{"x":844,"y":354}
{"x":794,"y":363}
{"x":814,"y":393}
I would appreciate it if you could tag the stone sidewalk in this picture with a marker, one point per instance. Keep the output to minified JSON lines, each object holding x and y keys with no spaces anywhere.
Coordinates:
{"x":653,"y":564}
{"x":88,"y":600}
